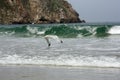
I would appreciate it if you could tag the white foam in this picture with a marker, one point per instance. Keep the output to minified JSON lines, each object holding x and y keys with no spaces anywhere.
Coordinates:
{"x":114,"y":30}
{"x":41,"y":32}
{"x":32,"y":30}
{"x":62,"y":60}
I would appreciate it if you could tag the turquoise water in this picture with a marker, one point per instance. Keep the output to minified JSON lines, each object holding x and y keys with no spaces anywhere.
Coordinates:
{"x":84,"y":45}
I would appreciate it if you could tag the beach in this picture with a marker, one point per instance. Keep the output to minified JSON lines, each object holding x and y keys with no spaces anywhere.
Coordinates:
{"x":57,"y":73}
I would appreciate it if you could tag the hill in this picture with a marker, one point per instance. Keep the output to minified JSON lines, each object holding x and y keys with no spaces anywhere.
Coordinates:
{"x":37,"y":11}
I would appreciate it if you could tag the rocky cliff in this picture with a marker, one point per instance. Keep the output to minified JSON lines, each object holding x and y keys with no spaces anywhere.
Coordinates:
{"x":37,"y":11}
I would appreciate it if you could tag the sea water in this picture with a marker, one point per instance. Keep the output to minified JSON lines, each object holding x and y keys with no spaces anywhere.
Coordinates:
{"x":84,"y":45}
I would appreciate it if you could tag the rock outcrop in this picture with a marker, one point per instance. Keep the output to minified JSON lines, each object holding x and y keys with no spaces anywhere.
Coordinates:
{"x":37,"y":11}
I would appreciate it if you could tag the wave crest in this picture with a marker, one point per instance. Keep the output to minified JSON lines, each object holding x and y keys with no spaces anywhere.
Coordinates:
{"x":67,"y":31}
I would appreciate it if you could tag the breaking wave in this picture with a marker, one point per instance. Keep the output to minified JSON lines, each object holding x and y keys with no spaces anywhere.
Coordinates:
{"x":62,"y":60}
{"x":66,"y":31}
{"x":114,"y":30}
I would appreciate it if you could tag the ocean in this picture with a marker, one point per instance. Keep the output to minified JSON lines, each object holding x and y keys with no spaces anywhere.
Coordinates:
{"x":93,"y":45}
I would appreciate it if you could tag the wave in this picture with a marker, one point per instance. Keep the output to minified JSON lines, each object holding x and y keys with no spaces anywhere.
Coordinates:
{"x":66,"y":31}
{"x":114,"y":30}
{"x":63,"y":60}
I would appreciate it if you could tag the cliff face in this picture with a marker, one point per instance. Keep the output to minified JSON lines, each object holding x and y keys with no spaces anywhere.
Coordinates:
{"x":37,"y":11}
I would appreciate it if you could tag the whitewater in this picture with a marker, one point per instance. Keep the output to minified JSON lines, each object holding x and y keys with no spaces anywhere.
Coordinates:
{"x":85,"y":45}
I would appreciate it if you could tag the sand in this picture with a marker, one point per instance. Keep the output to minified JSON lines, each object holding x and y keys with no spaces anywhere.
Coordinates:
{"x":57,"y":73}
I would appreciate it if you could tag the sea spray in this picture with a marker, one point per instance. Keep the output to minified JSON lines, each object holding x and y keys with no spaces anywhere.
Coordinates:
{"x":114,"y":30}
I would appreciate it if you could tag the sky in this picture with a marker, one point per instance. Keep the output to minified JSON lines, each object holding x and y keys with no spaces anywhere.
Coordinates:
{"x":97,"y":10}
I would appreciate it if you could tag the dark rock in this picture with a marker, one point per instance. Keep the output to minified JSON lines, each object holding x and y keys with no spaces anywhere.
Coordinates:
{"x":37,"y":11}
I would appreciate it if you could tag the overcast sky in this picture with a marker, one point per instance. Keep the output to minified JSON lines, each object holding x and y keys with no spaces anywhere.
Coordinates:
{"x":97,"y":10}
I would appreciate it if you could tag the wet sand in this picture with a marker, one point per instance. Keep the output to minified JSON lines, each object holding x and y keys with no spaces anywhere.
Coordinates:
{"x":57,"y":73}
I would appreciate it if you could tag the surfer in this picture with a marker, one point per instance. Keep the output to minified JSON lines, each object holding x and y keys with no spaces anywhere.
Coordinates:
{"x":47,"y":37}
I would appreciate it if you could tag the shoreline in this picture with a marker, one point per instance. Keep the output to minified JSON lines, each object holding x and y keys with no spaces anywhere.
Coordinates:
{"x":57,"y":73}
